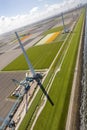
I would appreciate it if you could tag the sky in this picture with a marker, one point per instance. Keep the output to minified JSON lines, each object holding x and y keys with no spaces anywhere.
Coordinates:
{"x":18,"y":13}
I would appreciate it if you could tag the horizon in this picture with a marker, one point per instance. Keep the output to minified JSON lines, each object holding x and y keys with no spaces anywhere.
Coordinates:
{"x":20,"y":13}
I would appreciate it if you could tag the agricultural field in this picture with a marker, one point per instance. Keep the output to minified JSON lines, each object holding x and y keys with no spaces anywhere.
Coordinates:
{"x":24,"y":37}
{"x":38,"y":55}
{"x":56,"y":29}
{"x":59,"y":59}
{"x":48,"y":38}
{"x":55,"y":117}
{"x":61,"y":73}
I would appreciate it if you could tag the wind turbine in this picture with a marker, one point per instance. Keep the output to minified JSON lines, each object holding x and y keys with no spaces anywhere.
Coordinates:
{"x":73,"y":17}
{"x":35,"y":76}
{"x":64,"y":27}
{"x":63,"y":23}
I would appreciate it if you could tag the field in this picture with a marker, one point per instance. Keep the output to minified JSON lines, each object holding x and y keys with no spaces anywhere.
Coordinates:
{"x":54,"y":118}
{"x":60,"y":28}
{"x":38,"y":55}
{"x":48,"y":38}
{"x":6,"y":89}
{"x":59,"y":58}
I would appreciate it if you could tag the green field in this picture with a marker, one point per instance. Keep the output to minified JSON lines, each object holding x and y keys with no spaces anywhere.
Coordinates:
{"x":61,"y":37}
{"x":56,"y":29}
{"x":40,"y":57}
{"x":54,"y":118}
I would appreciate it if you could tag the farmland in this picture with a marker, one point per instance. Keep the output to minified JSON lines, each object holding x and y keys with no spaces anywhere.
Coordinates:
{"x":48,"y":38}
{"x":60,"y":28}
{"x":61,"y":88}
{"x":38,"y":56}
{"x":57,"y":60}
{"x":55,"y":117}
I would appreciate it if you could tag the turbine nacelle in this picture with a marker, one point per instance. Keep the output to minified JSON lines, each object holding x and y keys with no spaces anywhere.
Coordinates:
{"x":11,"y":124}
{"x":37,"y":77}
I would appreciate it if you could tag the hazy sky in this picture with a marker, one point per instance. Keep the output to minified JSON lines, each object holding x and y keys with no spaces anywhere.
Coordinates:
{"x":17,"y":13}
{"x":16,"y":7}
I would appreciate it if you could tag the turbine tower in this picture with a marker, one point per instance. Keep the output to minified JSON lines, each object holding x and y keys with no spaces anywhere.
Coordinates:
{"x":64,"y":28}
{"x":35,"y":76}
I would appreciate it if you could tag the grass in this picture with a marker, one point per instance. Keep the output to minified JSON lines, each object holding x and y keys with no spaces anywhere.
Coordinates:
{"x":52,"y":38}
{"x":27,"y":121}
{"x":54,"y":118}
{"x":61,"y":89}
{"x":28,"y":118}
{"x":40,"y":56}
{"x":60,"y":28}
{"x":62,"y":37}
{"x":51,"y":117}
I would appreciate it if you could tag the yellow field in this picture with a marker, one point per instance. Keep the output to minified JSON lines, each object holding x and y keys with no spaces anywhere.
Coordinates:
{"x":48,"y":38}
{"x":53,"y":37}
{"x":25,"y":37}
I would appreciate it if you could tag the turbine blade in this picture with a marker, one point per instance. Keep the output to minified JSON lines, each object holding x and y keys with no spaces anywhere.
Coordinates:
{"x":15,"y":81}
{"x":25,"y":55}
{"x":45,"y":93}
{"x":1,"y":119}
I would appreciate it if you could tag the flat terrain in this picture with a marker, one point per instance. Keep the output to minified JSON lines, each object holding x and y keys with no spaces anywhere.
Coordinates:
{"x":61,"y":88}
{"x":51,"y":57}
{"x":6,"y":88}
{"x":9,"y":47}
{"x":40,"y":56}
{"x":59,"y":78}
